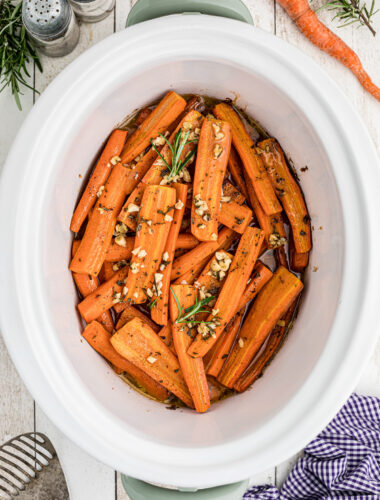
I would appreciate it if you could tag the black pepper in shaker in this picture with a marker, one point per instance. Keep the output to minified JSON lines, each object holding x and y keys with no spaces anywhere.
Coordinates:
{"x":52,"y":25}
{"x":92,"y":11}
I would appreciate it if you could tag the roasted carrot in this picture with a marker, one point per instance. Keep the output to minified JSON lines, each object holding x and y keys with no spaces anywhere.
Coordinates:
{"x":190,"y":276}
{"x":298,"y":261}
{"x":109,"y":156}
{"x":86,"y":284}
{"x":121,"y":250}
{"x":131,"y":312}
{"x":140,"y":345}
{"x":160,"y":299}
{"x":235,"y":168}
{"x":155,"y":221}
{"x":210,"y":168}
{"x":275,"y":340}
{"x":107,"y":271}
{"x":167,"y":337}
{"x":103,"y":298}
{"x":269,"y":306}
{"x":230,"y":295}
{"x":142,"y":116}
{"x":97,"y":237}
{"x":235,"y":216}
{"x":252,"y":162}
{"x":192,"y":368}
{"x":186,"y":241}
{"x":230,"y":193}
{"x":289,"y":192}
{"x":320,"y":35}
{"x":156,"y":173}
{"x":99,"y":339}
{"x":213,"y":276}
{"x":156,"y":122}
{"x":201,"y":252}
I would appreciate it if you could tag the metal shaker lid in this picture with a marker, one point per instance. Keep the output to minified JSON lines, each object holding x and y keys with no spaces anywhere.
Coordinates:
{"x":46,"y":19}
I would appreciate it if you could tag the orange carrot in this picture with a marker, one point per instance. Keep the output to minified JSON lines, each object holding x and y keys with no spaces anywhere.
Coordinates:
{"x":235,"y":216}
{"x":298,"y":261}
{"x":289,"y":192}
{"x":120,"y":251}
{"x":186,"y":241}
{"x":130,"y":312}
{"x":235,"y":167}
{"x":230,"y":193}
{"x":230,"y":295}
{"x":99,"y":339}
{"x":155,"y":123}
{"x":167,"y":337}
{"x":155,"y":220}
{"x":103,"y":298}
{"x":140,"y":345}
{"x":190,"y":276}
{"x":252,"y":162}
{"x":90,"y":255}
{"x":213,"y":276}
{"x":275,"y":340}
{"x":270,"y":305}
{"x":201,"y":252}
{"x":156,"y":173}
{"x":212,"y":156}
{"x":192,"y":369}
{"x":98,"y":177}
{"x":160,"y":308}
{"x":107,"y":271}
{"x":320,"y":35}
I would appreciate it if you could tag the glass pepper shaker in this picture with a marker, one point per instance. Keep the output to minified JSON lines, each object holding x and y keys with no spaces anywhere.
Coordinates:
{"x":92,"y":11}
{"x":52,"y":25}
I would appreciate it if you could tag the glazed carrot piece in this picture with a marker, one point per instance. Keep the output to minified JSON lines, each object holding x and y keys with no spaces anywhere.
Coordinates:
{"x":230,"y":193}
{"x":99,"y":339}
{"x":275,"y":340}
{"x":186,"y":241}
{"x":252,"y":162}
{"x":235,"y":168}
{"x":97,"y":237}
{"x":185,"y":262}
{"x":155,"y":221}
{"x":235,"y":216}
{"x":120,"y":251}
{"x":320,"y":35}
{"x":156,"y":173}
{"x":140,"y":345}
{"x":230,"y":295}
{"x":289,"y":192}
{"x":167,"y":337}
{"x":160,"y":308}
{"x":216,"y":390}
{"x":98,"y":178}
{"x":86,"y":284}
{"x":298,"y":261}
{"x":210,"y":168}
{"x":192,"y":368}
{"x":270,"y":305}
{"x":103,"y":298}
{"x":156,"y":122}
{"x":216,"y":357}
{"x":106,"y":272}
{"x":130,"y":312}
{"x":190,"y":276}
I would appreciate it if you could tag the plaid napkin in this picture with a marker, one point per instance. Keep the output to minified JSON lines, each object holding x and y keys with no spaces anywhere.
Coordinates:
{"x":343,"y":461}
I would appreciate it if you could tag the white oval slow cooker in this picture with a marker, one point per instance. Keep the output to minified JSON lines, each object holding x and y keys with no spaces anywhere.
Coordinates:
{"x":337,"y":324}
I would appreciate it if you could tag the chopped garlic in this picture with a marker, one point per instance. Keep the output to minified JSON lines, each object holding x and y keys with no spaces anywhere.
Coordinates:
{"x":151,"y":360}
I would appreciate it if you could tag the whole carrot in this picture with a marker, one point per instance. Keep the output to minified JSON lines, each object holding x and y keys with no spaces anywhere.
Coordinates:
{"x":310,"y":26}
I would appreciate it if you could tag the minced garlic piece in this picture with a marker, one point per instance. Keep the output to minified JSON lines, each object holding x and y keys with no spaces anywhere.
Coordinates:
{"x":133,"y":208}
{"x":121,"y":240}
{"x":241,"y":343}
{"x":115,"y":160}
{"x":151,"y":359}
{"x":101,"y":189}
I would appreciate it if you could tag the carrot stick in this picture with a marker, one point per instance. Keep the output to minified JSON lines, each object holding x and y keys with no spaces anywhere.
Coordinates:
{"x":201,"y":252}
{"x":160,"y":308}
{"x":86,"y":284}
{"x":156,"y":122}
{"x":252,"y":162}
{"x":167,"y":337}
{"x":235,"y":168}
{"x":120,"y":251}
{"x":99,"y":339}
{"x":103,"y":298}
{"x":235,"y":216}
{"x":156,"y":173}
{"x":215,"y":358}
{"x":190,"y":276}
{"x":270,"y":305}
{"x":275,"y":340}
{"x":289,"y":192}
{"x":98,"y":177}
{"x":192,"y":369}
{"x":155,"y":221}
{"x":140,"y":345}
{"x":131,"y":312}
{"x":90,"y":255}
{"x":106,"y":271}
{"x":318,"y":34}
{"x":212,"y":156}
{"x":230,"y":193}
{"x":186,"y":241}
{"x":230,"y":295}
{"x":213,"y":276}
{"x":298,"y":261}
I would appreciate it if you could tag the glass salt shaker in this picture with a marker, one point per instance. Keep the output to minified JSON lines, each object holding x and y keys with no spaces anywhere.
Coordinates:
{"x":52,"y":25}
{"x":92,"y":11}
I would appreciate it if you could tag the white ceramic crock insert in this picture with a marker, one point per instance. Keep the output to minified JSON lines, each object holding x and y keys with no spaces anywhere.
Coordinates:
{"x":337,"y":324}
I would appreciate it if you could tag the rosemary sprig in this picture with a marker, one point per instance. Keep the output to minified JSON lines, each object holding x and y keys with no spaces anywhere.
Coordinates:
{"x":184,"y":315}
{"x":353,"y":12}
{"x":16,"y":50}
{"x":180,"y":141}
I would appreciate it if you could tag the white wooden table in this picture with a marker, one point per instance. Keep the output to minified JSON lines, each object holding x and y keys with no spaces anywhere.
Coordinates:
{"x":89,"y":479}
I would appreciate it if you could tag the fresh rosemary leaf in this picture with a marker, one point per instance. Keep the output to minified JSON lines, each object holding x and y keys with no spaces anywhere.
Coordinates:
{"x":186,"y":315}
{"x":352,"y":12}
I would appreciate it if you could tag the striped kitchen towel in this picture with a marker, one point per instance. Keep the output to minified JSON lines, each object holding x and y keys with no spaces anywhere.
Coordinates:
{"x":343,"y":461}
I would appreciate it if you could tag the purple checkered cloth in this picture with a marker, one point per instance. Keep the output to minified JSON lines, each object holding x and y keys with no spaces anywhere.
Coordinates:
{"x":343,"y":461}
